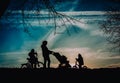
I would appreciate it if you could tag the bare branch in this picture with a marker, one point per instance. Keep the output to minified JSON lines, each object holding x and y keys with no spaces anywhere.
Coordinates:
{"x":111,"y":27}
{"x":34,"y":9}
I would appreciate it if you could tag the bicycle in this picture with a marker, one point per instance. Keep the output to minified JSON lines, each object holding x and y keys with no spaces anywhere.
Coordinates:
{"x":76,"y":66}
{"x":29,"y":65}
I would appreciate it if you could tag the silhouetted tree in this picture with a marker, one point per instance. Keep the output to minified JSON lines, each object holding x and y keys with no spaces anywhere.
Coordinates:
{"x":111,"y":26}
{"x":35,"y":7}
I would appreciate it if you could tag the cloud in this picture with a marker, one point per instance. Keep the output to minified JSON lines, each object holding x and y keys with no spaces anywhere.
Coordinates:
{"x":97,"y":33}
{"x":113,"y":65}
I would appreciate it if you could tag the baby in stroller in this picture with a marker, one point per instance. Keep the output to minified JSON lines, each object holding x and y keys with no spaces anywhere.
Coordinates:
{"x":64,"y":63}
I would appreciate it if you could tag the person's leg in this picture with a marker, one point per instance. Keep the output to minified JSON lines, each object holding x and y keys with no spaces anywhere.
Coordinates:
{"x":44,"y":63}
{"x":32,"y":65}
{"x":35,"y":65}
{"x":49,"y":62}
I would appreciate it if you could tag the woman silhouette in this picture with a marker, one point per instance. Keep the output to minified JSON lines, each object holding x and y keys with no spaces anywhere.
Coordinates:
{"x":45,"y":53}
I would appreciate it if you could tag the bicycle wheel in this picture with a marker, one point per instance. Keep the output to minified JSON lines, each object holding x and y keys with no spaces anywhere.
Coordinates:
{"x":39,"y":65}
{"x":24,"y":65}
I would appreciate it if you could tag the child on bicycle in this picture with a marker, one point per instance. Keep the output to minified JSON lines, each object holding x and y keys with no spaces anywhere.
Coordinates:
{"x":33,"y":58}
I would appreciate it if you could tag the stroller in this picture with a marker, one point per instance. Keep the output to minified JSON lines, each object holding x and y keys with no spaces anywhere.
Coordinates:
{"x":64,"y":63}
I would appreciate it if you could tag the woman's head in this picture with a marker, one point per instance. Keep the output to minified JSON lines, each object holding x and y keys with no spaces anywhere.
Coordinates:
{"x":44,"y":42}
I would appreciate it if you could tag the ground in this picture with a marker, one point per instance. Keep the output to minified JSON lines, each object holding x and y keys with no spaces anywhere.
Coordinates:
{"x":60,"y":75}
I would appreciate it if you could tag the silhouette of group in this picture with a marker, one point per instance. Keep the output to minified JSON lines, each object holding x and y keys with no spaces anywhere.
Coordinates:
{"x":64,"y":63}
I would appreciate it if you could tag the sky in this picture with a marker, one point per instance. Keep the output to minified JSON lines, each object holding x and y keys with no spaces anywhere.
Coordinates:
{"x":85,"y":36}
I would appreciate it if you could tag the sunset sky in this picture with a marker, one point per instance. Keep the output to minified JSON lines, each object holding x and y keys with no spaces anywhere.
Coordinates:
{"x":85,"y":36}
